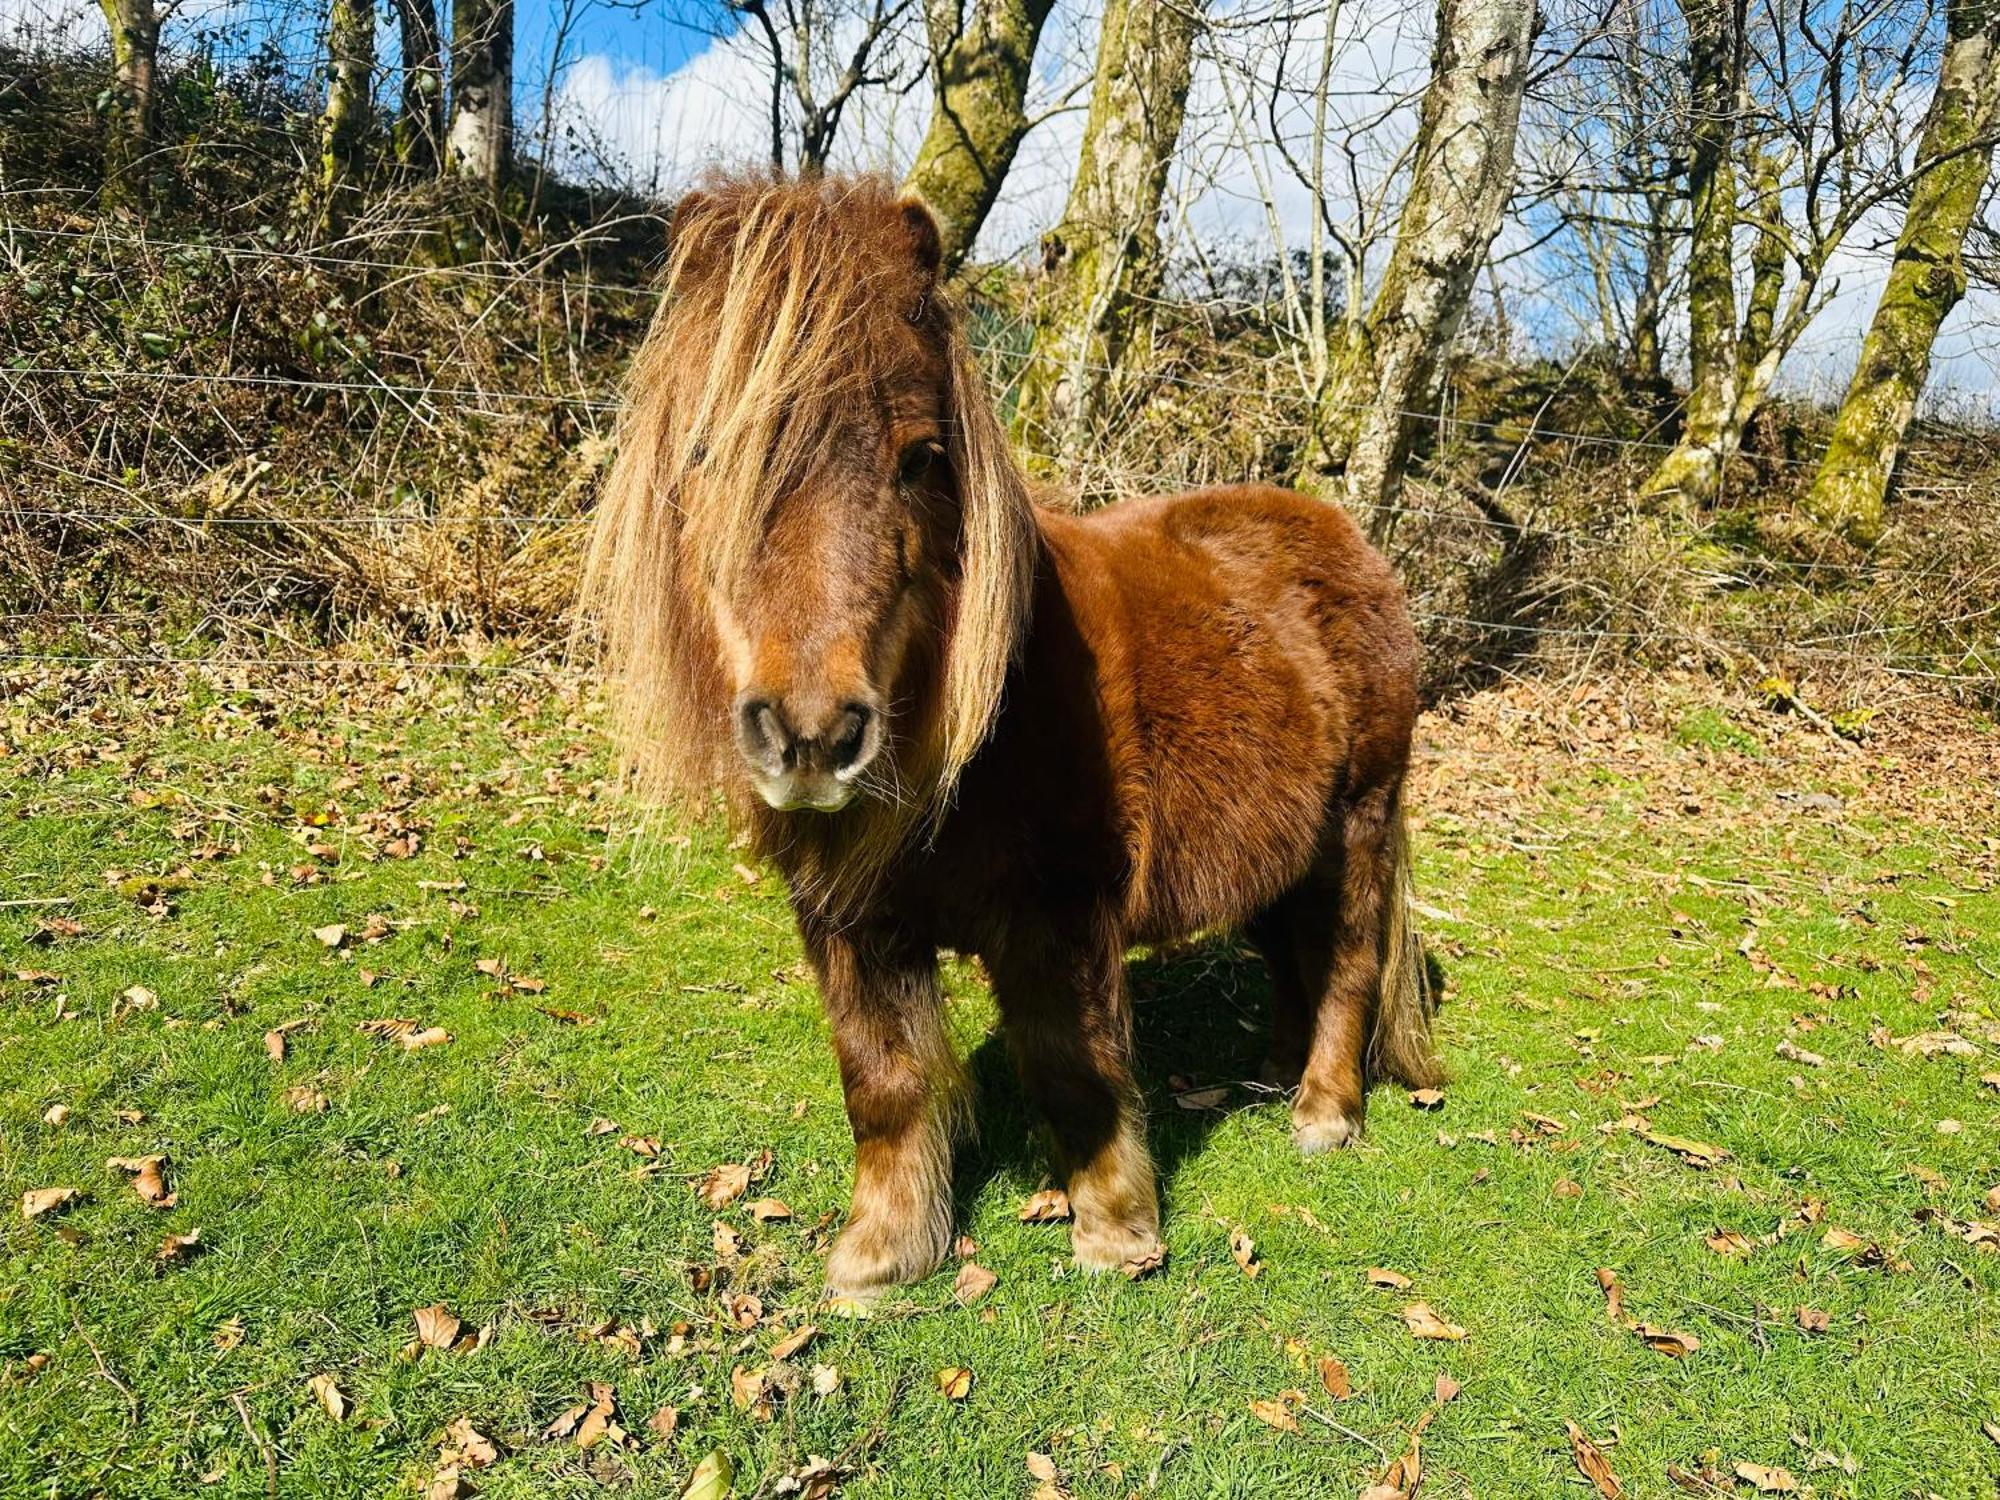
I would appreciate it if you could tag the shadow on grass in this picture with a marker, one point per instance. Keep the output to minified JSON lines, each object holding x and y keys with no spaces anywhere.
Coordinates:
{"x":1201,"y":1018}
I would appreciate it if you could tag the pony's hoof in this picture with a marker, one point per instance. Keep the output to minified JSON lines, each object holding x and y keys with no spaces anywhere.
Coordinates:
{"x":862,"y":1266}
{"x":1128,"y":1250}
{"x":1336,"y":1131}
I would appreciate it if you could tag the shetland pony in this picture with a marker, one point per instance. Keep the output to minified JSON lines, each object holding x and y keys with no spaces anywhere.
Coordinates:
{"x":955,"y":719}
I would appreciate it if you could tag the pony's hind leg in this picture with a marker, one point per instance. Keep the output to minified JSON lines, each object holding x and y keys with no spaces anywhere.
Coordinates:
{"x":1070,"y":1030}
{"x":903,"y":1088}
{"x":1270,"y":933}
{"x":1337,"y":917}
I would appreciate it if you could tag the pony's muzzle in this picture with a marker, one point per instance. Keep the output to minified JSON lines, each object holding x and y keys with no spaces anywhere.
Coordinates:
{"x":806,"y":754}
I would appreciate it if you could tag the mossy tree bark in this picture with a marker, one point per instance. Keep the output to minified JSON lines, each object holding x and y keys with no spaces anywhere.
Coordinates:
{"x":350,"y":90}
{"x":420,"y":121}
{"x":1102,"y":261}
{"x":1926,"y":278}
{"x":1692,"y":471}
{"x":482,"y":89}
{"x":981,"y":55}
{"x":135,"y":60}
{"x":1388,"y":364}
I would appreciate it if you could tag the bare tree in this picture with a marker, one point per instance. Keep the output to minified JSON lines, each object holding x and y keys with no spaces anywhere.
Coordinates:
{"x":420,"y":120}
{"x":1926,"y":279}
{"x":135,"y":61}
{"x":1462,"y":175}
{"x":1103,"y":261}
{"x":349,"y":112}
{"x":482,"y":89}
{"x":813,"y":75}
{"x":981,"y":55}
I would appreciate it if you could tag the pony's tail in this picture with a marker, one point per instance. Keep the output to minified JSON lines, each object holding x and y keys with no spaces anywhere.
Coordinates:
{"x":1401,"y":1045}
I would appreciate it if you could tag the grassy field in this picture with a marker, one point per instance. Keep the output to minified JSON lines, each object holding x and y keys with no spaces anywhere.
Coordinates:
{"x":1721,"y":996}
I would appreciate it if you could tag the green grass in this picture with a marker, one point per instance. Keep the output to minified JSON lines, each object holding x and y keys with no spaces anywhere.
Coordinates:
{"x":1591,"y":927}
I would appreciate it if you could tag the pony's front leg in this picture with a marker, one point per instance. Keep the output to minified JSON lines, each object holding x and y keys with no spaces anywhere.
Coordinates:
{"x":1070,"y":1030}
{"x":903,"y":1083}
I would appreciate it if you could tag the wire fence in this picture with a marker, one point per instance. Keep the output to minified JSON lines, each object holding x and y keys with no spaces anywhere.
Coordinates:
{"x":416,"y":393}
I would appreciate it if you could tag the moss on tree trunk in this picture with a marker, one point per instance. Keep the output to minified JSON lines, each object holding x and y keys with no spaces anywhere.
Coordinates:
{"x":980,"y":63}
{"x":1389,"y":363}
{"x":1102,"y":261}
{"x":134,"y":26}
{"x":1926,"y":279}
{"x":1693,"y":470}
{"x":350,"y":83}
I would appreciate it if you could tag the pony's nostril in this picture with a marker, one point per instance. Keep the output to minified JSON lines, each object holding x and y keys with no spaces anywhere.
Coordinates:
{"x":852,"y":737}
{"x":761,"y":729}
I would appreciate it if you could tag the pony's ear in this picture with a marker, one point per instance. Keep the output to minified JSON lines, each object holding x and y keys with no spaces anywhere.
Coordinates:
{"x":926,"y":239}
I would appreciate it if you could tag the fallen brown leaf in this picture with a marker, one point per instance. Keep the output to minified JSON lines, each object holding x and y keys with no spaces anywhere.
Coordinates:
{"x":1387,"y":1280}
{"x":1614,"y":1293}
{"x":724,"y":1184}
{"x":1812,"y":1320}
{"x":1592,"y":1464}
{"x":56,"y":1116}
{"x":1050,"y":1206}
{"x":1445,"y":1389}
{"x":38,"y":1201}
{"x":794,"y":1341}
{"x":1427,"y":1098}
{"x":437,"y":1326}
{"x":178,"y":1247}
{"x":1277,"y":1412}
{"x":769,"y":1210}
{"x":1666,"y":1341}
{"x":1243,"y":1250}
{"x":973,"y":1282}
{"x":148,"y":1179}
{"x":1730,"y":1242}
{"x":1426,"y":1324}
{"x":1695,"y":1153}
{"x":329,"y":1396}
{"x":1333,"y":1378}
{"x":1766,"y":1479}
{"x":954,"y":1382}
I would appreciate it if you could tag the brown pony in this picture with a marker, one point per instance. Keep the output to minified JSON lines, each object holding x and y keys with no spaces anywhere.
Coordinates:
{"x":954,"y":719}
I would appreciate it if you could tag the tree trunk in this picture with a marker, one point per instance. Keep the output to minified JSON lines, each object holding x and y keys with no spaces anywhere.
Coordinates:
{"x":1767,"y":263}
{"x":979,"y":70}
{"x":420,"y":124}
{"x":1103,"y":260}
{"x":1693,"y":470}
{"x":1464,"y":171}
{"x":1647,"y":364}
{"x":1926,"y":278}
{"x":350,"y":86}
{"x":135,"y":59}
{"x":482,"y":89}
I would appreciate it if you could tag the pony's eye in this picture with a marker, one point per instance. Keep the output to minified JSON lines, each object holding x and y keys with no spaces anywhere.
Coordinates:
{"x":916,"y":461}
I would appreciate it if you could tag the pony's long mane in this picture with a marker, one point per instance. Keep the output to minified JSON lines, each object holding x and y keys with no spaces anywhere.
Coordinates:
{"x":760,"y":347}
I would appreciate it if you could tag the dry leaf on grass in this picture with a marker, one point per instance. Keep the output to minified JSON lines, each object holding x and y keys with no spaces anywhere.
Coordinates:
{"x":437,"y":1326}
{"x":177,"y":1247}
{"x":304,"y":1100}
{"x":149,"y":1181}
{"x":727,"y":1242}
{"x":794,"y":1341}
{"x":1427,"y":1098}
{"x":593,"y":1420}
{"x":1592,"y":1464}
{"x":1199,"y":1099}
{"x":663,"y":1422}
{"x":1614,"y":1293}
{"x":1767,"y":1480}
{"x":1277,"y":1412}
{"x":745,"y":1309}
{"x":724,"y":1184}
{"x":38,"y":1201}
{"x":332,"y":935}
{"x":954,"y":1382}
{"x":1243,"y":1250}
{"x":973,"y":1282}
{"x":1426,"y":1324}
{"x":769,"y":1210}
{"x":1050,"y":1206}
{"x":1813,"y":1320}
{"x":56,"y":1116}
{"x":328,"y":1395}
{"x":1333,"y":1378}
{"x":1666,"y":1340}
{"x":1730,"y":1242}
{"x":1387,"y":1280}
{"x":1444,"y":1389}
